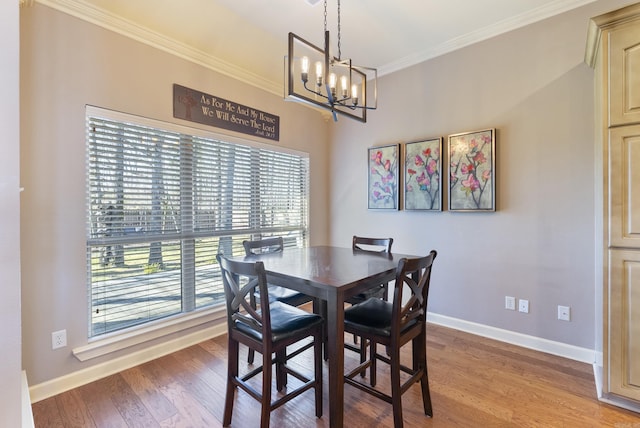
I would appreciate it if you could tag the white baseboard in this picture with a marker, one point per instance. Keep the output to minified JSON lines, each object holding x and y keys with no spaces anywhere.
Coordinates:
{"x":27,"y":413}
{"x":614,"y":400}
{"x":82,"y":377}
{"x":544,"y":345}
{"x":597,"y":375}
{"x":621,"y":402}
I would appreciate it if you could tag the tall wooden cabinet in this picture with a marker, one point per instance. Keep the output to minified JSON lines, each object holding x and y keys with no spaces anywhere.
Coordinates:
{"x":613,"y":49}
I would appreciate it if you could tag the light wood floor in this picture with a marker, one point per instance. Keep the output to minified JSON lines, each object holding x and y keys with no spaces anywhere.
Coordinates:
{"x":475,"y":382}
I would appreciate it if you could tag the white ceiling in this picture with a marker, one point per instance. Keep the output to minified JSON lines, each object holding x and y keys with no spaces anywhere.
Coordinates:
{"x":248,"y":38}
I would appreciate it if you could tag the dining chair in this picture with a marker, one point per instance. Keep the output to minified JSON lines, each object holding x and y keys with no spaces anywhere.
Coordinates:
{"x":276,"y":293}
{"x":267,"y":330}
{"x":375,"y":245}
{"x":394,"y":324}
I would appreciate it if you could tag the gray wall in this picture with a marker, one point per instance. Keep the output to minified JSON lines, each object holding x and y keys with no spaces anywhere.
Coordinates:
{"x":534,"y":88}
{"x":10,"y":336}
{"x":66,"y":64}
{"x":530,"y":84}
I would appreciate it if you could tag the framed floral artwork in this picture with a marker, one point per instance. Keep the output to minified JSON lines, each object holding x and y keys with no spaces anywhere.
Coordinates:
{"x":383,"y":177}
{"x":472,"y":170}
{"x":422,"y":174}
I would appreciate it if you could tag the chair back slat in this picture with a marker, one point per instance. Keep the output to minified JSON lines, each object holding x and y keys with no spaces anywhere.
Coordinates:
{"x":240,"y":279}
{"x":380,"y":245}
{"x":415,"y":273}
{"x":264,"y":246}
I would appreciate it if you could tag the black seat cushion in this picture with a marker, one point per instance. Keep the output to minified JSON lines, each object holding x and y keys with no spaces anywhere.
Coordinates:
{"x":286,"y":321}
{"x":372,"y":316}
{"x":377,"y":292}
{"x":287,"y":295}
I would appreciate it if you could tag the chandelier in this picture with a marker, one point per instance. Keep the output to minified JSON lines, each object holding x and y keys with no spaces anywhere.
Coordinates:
{"x":317,"y":77}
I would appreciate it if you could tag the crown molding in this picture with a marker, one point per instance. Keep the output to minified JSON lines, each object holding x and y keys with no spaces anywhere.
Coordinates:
{"x":117,"y":24}
{"x":82,"y":10}
{"x":603,"y":22}
{"x":543,"y":12}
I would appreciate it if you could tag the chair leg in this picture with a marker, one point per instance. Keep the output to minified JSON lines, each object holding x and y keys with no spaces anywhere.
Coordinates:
{"x":252,"y":301}
{"x":363,"y":354}
{"x":426,"y":396}
{"x":318,"y":357}
{"x":267,"y":367}
{"x":373,"y":355}
{"x":419,"y":346}
{"x":232,"y":374}
{"x":281,"y":374}
{"x":396,"y":391}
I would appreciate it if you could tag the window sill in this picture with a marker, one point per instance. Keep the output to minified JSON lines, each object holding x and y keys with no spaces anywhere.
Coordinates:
{"x":109,"y":344}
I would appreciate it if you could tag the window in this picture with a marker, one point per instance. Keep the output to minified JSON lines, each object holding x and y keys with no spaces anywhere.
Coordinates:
{"x":163,"y":200}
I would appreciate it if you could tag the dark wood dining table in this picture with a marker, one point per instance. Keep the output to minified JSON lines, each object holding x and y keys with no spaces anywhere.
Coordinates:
{"x":331,"y":274}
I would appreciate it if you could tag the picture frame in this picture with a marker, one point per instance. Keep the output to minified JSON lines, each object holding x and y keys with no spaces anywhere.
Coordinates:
{"x":472,"y":171}
{"x":422,"y":173}
{"x":383,"y":177}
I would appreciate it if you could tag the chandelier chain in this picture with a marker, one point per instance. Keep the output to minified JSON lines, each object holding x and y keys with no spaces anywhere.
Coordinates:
{"x":325,"y":28}
{"x":325,"y":16}
{"x":339,"y":41}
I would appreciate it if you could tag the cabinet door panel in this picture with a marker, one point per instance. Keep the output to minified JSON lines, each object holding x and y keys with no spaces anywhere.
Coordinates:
{"x":624,"y":187}
{"x":624,"y":66}
{"x":624,"y":316}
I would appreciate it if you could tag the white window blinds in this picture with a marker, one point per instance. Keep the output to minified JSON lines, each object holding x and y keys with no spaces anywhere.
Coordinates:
{"x":163,"y":200}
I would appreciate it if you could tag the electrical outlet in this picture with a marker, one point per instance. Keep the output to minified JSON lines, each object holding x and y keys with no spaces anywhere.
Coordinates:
{"x":510,"y":303}
{"x":523,"y":306}
{"x":58,"y":339}
{"x":564,"y":313}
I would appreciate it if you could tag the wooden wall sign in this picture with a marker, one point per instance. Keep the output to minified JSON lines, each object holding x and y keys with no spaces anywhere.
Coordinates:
{"x":196,"y":106}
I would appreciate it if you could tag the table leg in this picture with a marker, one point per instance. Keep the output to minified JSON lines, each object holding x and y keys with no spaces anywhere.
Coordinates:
{"x":335,"y":329}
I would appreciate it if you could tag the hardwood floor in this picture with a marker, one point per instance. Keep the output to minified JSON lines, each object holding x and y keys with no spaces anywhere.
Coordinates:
{"x":474,"y":381}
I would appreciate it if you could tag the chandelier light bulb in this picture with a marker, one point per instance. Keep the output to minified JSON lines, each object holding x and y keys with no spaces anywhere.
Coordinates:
{"x":304,"y":66}
{"x":344,"y":87}
{"x":332,"y":84}
{"x":354,"y":94}
{"x":319,"y":73}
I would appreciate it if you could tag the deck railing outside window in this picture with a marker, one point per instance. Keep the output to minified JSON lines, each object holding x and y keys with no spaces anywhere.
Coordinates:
{"x":163,"y":200}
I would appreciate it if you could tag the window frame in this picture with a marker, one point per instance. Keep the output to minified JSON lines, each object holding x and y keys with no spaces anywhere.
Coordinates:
{"x":128,"y":336}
